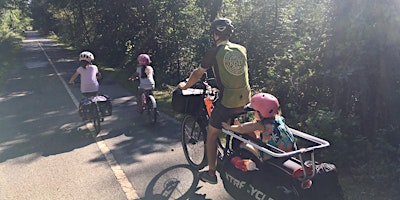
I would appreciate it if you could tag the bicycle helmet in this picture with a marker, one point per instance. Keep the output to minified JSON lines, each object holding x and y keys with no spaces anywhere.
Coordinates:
{"x":266,"y":104}
{"x":143,"y":59}
{"x":87,"y":56}
{"x":222,"y":27}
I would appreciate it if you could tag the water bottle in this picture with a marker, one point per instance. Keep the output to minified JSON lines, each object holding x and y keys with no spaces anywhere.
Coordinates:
{"x":244,"y":164}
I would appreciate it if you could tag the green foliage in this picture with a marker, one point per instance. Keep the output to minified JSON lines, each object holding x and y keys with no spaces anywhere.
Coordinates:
{"x":13,"y":22}
{"x":9,"y":46}
{"x":333,"y":64}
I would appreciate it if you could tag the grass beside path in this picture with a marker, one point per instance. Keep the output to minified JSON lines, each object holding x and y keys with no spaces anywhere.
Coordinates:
{"x":10,"y":46}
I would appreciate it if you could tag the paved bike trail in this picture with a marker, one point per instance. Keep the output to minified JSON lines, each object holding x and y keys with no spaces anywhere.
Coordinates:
{"x":44,"y":156}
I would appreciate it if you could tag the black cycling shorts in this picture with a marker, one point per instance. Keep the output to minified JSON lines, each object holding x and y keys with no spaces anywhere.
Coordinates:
{"x":222,"y":114}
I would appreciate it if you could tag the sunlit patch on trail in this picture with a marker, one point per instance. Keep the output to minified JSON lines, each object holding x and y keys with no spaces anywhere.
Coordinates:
{"x":15,"y":95}
{"x":37,"y":64}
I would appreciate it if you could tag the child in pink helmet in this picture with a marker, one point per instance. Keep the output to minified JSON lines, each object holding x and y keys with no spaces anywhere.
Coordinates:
{"x":146,"y":76}
{"x":268,"y":126}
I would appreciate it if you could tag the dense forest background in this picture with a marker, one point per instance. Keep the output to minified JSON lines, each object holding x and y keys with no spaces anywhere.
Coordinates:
{"x":334,"y":64}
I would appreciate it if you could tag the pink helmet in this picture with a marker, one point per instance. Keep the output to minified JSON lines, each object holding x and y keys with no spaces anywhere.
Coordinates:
{"x":143,"y":59}
{"x":266,"y":104}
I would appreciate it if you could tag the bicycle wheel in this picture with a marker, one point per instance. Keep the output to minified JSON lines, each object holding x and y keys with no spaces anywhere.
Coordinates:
{"x":96,"y":125}
{"x":152,"y":109}
{"x":96,"y":119}
{"x":193,"y":142}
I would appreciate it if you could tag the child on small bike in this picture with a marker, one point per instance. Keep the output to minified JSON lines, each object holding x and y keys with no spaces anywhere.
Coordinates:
{"x":89,"y":75}
{"x":268,"y":126}
{"x":146,"y":76}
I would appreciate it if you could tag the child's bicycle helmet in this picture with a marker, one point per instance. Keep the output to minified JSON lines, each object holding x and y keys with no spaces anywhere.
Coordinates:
{"x":87,"y":56}
{"x":143,"y":59}
{"x":266,"y":104}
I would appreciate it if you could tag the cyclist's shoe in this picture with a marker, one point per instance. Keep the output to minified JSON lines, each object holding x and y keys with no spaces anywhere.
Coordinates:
{"x":206,"y":177}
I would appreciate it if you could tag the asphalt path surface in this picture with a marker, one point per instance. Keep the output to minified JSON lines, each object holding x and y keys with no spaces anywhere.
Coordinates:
{"x":46,"y":152}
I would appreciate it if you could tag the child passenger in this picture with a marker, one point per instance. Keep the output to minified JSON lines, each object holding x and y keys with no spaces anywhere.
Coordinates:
{"x":268,"y":126}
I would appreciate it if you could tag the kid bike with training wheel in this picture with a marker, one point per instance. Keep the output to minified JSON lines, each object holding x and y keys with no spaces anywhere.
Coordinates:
{"x":288,"y":175}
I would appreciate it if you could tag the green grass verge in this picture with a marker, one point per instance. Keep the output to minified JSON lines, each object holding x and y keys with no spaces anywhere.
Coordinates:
{"x":10,"y":46}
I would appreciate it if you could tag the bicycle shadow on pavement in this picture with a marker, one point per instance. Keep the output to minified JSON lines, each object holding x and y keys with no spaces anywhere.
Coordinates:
{"x":175,"y":182}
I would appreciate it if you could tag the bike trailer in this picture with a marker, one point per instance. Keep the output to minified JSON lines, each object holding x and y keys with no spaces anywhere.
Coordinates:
{"x":187,"y":101}
{"x":285,"y":176}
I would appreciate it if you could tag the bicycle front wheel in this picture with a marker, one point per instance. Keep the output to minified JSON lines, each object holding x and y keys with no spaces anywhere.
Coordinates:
{"x":152,"y":109}
{"x":193,"y":142}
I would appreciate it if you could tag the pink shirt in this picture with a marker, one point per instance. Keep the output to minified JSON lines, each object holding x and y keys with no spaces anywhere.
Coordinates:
{"x":88,"y":78}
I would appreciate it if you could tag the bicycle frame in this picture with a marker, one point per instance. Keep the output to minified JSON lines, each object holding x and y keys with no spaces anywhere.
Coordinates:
{"x":146,"y":96}
{"x":149,"y":103}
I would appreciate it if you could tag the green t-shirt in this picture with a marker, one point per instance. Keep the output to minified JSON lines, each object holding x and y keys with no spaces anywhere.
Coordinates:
{"x":231,"y":71}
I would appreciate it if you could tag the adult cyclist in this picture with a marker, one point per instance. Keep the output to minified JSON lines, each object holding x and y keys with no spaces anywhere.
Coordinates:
{"x":229,"y":64}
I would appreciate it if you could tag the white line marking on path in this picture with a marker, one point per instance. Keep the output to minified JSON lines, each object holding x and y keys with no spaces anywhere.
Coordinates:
{"x":126,"y":186}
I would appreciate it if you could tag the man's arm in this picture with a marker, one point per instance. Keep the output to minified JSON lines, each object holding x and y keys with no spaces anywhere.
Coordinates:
{"x":193,"y":78}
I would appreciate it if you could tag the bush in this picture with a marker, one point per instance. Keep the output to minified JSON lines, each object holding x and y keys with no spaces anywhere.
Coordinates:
{"x":10,"y":43}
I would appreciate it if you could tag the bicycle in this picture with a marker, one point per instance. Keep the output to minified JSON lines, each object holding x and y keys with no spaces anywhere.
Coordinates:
{"x":149,"y":105}
{"x":94,"y":109}
{"x":195,"y":121}
{"x":294,"y":175}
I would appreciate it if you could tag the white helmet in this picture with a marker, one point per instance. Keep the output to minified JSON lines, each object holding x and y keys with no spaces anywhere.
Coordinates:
{"x":86,"y":55}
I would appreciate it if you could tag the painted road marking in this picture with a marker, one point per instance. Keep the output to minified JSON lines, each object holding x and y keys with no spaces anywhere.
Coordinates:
{"x":126,"y":186}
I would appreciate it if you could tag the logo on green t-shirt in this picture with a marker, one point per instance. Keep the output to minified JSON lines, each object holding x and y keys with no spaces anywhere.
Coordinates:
{"x":234,"y":62}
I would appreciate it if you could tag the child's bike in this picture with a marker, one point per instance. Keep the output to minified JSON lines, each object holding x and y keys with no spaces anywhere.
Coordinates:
{"x":288,"y":175}
{"x":149,"y":105}
{"x":94,"y":109}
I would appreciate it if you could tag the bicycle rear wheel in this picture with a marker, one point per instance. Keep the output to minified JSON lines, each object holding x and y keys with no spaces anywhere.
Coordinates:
{"x":96,"y":123}
{"x":193,"y":142}
{"x":96,"y":119}
{"x":152,"y":109}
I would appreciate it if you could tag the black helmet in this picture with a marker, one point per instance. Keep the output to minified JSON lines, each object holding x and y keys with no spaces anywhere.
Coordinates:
{"x":222,"y":27}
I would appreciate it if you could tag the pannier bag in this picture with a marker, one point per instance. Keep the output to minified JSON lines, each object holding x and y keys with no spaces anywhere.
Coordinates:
{"x":104,"y":103}
{"x":187,"y":101}
{"x":87,"y":107}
